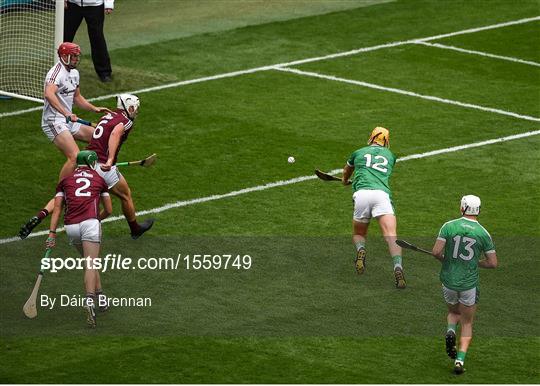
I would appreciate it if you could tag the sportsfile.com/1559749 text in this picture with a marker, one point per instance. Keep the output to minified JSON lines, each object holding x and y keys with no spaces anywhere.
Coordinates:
{"x":113,"y":261}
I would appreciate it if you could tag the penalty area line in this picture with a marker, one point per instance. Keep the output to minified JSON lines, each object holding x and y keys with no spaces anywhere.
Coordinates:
{"x":258,"y":188}
{"x":408,"y":93}
{"x":480,"y":53}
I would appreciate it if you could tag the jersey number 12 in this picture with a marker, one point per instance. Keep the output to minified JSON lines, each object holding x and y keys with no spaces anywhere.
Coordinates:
{"x":380,"y":166}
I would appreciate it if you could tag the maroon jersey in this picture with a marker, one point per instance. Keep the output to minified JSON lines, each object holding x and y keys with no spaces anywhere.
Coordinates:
{"x":100,"y":139}
{"x":81,"y":191}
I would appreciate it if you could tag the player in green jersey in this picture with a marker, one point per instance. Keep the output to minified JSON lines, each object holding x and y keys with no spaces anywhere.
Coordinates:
{"x":460,"y":245}
{"x":372,"y":166}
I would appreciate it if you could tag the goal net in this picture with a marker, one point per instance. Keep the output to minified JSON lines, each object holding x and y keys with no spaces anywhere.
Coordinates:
{"x":30,"y":32}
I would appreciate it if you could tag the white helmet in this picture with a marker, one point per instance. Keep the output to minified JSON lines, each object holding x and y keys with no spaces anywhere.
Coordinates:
{"x":129,"y":103}
{"x":470,"y":205}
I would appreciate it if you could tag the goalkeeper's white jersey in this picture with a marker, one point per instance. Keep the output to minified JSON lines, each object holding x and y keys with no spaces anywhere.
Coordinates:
{"x":67,"y":82}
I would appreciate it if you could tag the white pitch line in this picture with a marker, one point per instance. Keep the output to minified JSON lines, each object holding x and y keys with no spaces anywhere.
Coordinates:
{"x":291,"y":181}
{"x":479,"y":29}
{"x":459,"y":147}
{"x":409,"y":93}
{"x":293,"y":63}
{"x":481,"y":53}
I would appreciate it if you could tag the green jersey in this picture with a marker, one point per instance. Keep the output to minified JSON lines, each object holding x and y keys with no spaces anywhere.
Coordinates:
{"x":372,"y":168}
{"x":466,"y":242}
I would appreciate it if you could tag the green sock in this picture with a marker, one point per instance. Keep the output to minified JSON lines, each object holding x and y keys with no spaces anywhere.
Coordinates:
{"x":359,"y":245}
{"x":461,"y":356}
{"x":397,"y":261}
{"x":451,"y":326}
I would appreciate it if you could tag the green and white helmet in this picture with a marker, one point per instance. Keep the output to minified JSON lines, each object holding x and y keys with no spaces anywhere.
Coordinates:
{"x":87,"y":158}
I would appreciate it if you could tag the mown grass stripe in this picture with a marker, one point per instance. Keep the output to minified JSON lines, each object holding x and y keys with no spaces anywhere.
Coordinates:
{"x":291,"y":181}
{"x":296,"y":62}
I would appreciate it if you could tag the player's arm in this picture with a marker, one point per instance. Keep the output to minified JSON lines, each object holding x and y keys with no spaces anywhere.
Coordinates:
{"x":82,"y":103}
{"x":107,"y":206}
{"x":490,"y":261}
{"x":347,"y":172}
{"x":52,"y":98}
{"x":55,"y":218}
{"x":114,"y":142}
{"x":438,"y":249}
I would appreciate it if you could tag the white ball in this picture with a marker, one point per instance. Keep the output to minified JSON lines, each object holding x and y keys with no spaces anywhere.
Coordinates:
{"x":291,"y":160}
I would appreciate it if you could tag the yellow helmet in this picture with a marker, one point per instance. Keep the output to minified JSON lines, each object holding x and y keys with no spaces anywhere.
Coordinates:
{"x":380,"y":136}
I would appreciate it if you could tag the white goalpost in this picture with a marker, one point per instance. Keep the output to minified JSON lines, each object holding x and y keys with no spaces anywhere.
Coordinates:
{"x":30,"y":33}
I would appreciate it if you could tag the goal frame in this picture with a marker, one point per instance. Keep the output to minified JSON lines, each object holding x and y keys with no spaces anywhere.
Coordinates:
{"x":58,"y":39}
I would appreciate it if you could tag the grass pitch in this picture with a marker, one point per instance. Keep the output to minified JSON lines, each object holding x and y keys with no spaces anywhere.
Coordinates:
{"x":300,"y":314}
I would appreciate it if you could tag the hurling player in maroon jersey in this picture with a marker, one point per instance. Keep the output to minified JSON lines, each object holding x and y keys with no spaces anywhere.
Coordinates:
{"x":82,"y":191}
{"x":109,"y":135}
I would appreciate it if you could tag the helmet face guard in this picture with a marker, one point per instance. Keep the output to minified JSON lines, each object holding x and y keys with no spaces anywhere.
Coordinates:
{"x":470,"y":205}
{"x":69,"y":54}
{"x":87,"y":158}
{"x":379,"y":136}
{"x":129,"y":103}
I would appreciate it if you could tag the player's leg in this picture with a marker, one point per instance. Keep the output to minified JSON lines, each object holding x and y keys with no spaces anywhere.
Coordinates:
{"x":95,"y":19}
{"x":82,"y":132}
{"x":91,"y":242}
{"x":72,"y":20}
{"x":76,"y":233}
{"x":121,"y":190}
{"x":360,"y":230}
{"x":361,"y":218}
{"x":452,"y":320}
{"x":383,"y":210}
{"x":467,"y":310}
{"x":63,"y":140}
{"x":388,"y":224}
{"x":100,"y":296}
{"x":451,"y":299}
{"x":91,"y":250}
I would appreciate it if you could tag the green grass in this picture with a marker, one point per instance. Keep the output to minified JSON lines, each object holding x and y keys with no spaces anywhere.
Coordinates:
{"x":300,"y":314}
{"x":270,"y":360}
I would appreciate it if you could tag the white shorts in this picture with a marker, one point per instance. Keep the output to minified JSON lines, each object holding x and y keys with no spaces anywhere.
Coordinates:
{"x":88,"y":230}
{"x":371,"y":203}
{"x":111,"y":177}
{"x":467,"y":298}
{"x":52,"y":129}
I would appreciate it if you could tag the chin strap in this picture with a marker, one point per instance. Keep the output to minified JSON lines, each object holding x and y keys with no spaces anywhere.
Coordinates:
{"x":125,"y":109}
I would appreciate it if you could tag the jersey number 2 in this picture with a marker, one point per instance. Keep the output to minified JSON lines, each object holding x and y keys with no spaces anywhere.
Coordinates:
{"x":380,"y":166}
{"x":80,"y":192}
{"x":469,"y":242}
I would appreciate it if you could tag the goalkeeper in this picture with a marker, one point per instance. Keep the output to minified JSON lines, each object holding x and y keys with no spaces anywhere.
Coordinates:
{"x":58,"y":121}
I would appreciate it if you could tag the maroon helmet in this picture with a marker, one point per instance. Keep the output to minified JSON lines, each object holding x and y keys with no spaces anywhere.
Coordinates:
{"x":73,"y":53}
